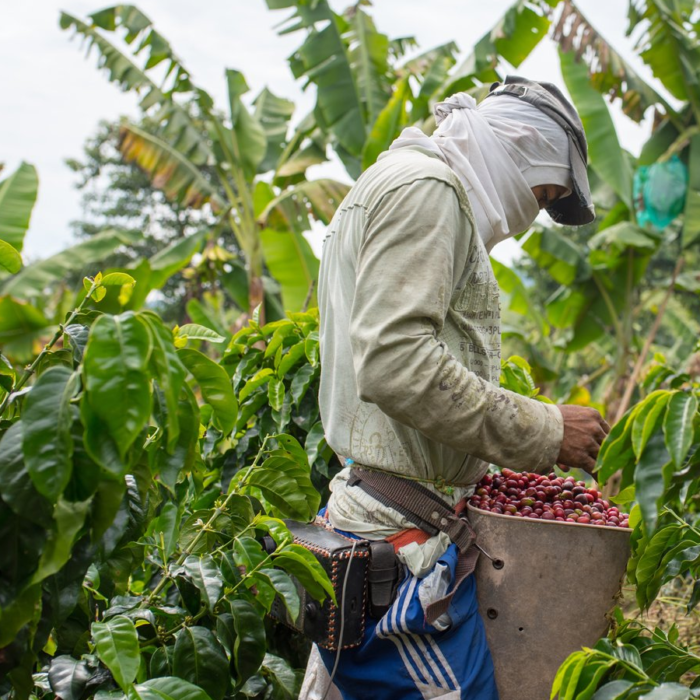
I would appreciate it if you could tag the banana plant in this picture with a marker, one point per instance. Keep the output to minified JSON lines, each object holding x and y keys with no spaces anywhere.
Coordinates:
{"x":199,"y":157}
{"x":17,"y":197}
{"x":668,"y":45}
{"x":367,"y":91}
{"x":36,"y":299}
{"x":600,"y":299}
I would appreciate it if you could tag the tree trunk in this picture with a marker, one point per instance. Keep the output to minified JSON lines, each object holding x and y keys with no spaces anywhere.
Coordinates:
{"x":256,"y":297}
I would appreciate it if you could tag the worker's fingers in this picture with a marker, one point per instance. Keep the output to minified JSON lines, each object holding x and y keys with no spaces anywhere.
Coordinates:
{"x":589,"y":465}
{"x":593,"y":447}
{"x":563,"y":467}
{"x":604,"y":425}
{"x":599,"y":434}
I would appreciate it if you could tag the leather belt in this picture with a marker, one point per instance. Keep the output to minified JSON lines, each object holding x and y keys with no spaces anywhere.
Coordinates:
{"x":428,"y":512}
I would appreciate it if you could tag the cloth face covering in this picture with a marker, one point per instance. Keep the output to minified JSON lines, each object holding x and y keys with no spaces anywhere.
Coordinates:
{"x":500,"y":150}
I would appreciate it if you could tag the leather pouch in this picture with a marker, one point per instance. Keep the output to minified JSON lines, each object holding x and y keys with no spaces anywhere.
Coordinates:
{"x":321,"y":622}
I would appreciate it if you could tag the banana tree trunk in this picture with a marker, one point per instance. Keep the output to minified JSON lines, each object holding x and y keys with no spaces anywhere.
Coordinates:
{"x":256,"y":290}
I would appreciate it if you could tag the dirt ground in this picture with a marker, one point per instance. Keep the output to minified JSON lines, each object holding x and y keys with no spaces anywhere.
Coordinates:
{"x":668,"y":609}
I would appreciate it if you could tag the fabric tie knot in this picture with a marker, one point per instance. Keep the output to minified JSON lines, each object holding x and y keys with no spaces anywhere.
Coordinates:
{"x":461,"y":100}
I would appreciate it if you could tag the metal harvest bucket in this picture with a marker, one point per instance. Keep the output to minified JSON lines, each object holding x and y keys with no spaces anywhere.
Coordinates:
{"x":544,"y":593}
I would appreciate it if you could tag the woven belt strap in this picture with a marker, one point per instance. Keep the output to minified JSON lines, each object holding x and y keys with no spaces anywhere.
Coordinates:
{"x":427,"y":512}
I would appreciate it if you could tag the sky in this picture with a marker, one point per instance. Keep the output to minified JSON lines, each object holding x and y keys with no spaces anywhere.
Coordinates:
{"x":53,"y":96}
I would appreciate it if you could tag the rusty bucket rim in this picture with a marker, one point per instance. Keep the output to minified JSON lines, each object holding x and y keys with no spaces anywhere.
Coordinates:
{"x":623,"y":530}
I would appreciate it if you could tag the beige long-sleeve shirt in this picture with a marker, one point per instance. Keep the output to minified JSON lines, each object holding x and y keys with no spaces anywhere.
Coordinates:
{"x":410,"y":343}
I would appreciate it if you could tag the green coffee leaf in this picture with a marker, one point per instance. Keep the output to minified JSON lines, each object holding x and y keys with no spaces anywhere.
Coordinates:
{"x":169,"y":464}
{"x":195,"y":331}
{"x":167,"y":688}
{"x":678,"y":426}
{"x":293,"y":450}
{"x":68,"y":677}
{"x":301,"y":382}
{"x":302,"y":564}
{"x":281,"y":333}
{"x":206,"y":576}
{"x":294,"y":355}
{"x":166,"y":524}
{"x":22,"y":610}
{"x":304,"y":317}
{"x":99,"y":444}
{"x":240,"y":510}
{"x":167,"y":367}
{"x":250,"y":645}
{"x":286,"y":487}
{"x":215,"y":385}
{"x":616,"y":451}
{"x":270,"y":328}
{"x":117,"y":377}
{"x":311,"y":348}
{"x":248,"y":553}
{"x":648,"y":563}
{"x":647,"y":421}
{"x":285,"y":588}
{"x":47,"y":442}
{"x":230,"y":570}
{"x":275,"y":393}
{"x":16,"y":488}
{"x":571,"y":678}
{"x":258,"y":379}
{"x":7,"y":374}
{"x":283,"y":673}
{"x":117,"y":279}
{"x":284,"y":415}
{"x":590,"y":678}
{"x":161,"y":663}
{"x":649,"y":479}
{"x":613,"y":691}
{"x":105,"y":507}
{"x":694,"y":599}
{"x":669,"y":691}
{"x":275,"y":527}
{"x":117,"y":645}
{"x":225,"y":632}
{"x":69,"y":517}
{"x":200,"y":659}
{"x":78,"y":335}
{"x":262,"y":590}
{"x":315,"y":442}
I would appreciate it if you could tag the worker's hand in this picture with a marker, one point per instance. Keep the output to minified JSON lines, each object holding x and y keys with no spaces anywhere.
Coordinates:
{"x":584,"y":431}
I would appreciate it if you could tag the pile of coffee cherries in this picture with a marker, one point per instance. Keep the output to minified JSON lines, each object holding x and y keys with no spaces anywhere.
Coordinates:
{"x":551,"y":497}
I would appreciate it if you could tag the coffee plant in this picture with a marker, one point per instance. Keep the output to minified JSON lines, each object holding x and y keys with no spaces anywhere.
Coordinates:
{"x":137,"y":479}
{"x":275,"y":370}
{"x":655,"y":446}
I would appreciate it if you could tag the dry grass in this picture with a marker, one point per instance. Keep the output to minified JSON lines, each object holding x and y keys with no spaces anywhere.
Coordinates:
{"x":667,"y":610}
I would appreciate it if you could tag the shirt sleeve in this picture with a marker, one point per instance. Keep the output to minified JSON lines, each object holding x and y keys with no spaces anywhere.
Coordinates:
{"x":413,"y":252}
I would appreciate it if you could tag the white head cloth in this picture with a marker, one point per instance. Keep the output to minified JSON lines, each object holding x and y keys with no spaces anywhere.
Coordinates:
{"x":499,"y":150}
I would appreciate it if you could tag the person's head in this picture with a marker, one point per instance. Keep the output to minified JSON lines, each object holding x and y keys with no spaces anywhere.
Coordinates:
{"x":520,"y":150}
{"x":554,"y":154}
{"x":536,"y":144}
